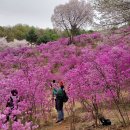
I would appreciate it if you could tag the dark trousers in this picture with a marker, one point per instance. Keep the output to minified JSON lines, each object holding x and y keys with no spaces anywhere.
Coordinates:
{"x":60,"y":114}
{"x":59,"y":108}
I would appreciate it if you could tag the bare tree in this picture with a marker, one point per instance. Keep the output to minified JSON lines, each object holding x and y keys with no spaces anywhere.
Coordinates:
{"x":113,"y":12}
{"x":72,"y":16}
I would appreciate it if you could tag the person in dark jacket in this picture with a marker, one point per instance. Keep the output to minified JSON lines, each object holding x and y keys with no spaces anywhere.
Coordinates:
{"x":58,"y":93}
{"x":12,"y":103}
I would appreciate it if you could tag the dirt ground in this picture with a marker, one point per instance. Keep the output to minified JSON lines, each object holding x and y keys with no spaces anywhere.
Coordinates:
{"x":84,"y":124}
{"x":66,"y":126}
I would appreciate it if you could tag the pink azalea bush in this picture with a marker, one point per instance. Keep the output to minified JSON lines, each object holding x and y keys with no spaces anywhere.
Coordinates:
{"x":96,"y":70}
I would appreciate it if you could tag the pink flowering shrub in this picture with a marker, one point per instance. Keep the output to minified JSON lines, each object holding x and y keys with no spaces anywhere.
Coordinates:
{"x":94,"y":74}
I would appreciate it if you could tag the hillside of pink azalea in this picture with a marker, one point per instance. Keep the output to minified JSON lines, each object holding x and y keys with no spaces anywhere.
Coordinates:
{"x":95,"y":71}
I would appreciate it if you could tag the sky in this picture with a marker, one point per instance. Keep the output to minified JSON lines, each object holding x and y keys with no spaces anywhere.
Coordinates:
{"x":31,"y":12}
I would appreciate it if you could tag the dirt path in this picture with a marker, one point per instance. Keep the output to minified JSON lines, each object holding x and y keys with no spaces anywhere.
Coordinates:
{"x":59,"y":126}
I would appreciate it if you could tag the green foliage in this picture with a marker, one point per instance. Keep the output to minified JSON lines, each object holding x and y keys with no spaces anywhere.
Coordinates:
{"x":90,"y":31}
{"x":81,"y":31}
{"x":114,"y":28}
{"x":43,"y":39}
{"x":48,"y":35}
{"x":2,"y":32}
{"x":52,"y":34}
{"x":9,"y":34}
{"x":18,"y":32}
{"x":32,"y":36}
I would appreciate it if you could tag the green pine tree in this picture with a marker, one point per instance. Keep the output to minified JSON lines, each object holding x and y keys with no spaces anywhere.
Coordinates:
{"x":32,"y":36}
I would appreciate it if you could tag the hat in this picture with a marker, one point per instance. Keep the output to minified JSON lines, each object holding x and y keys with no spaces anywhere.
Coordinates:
{"x":61,"y":83}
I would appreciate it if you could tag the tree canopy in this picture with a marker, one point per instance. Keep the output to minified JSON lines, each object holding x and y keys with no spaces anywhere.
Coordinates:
{"x":113,"y":12}
{"x":72,"y":16}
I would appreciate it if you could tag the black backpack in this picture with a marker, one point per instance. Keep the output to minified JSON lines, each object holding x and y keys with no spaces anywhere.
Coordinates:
{"x":65,"y":97}
{"x":10,"y":103}
{"x":105,"y":122}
